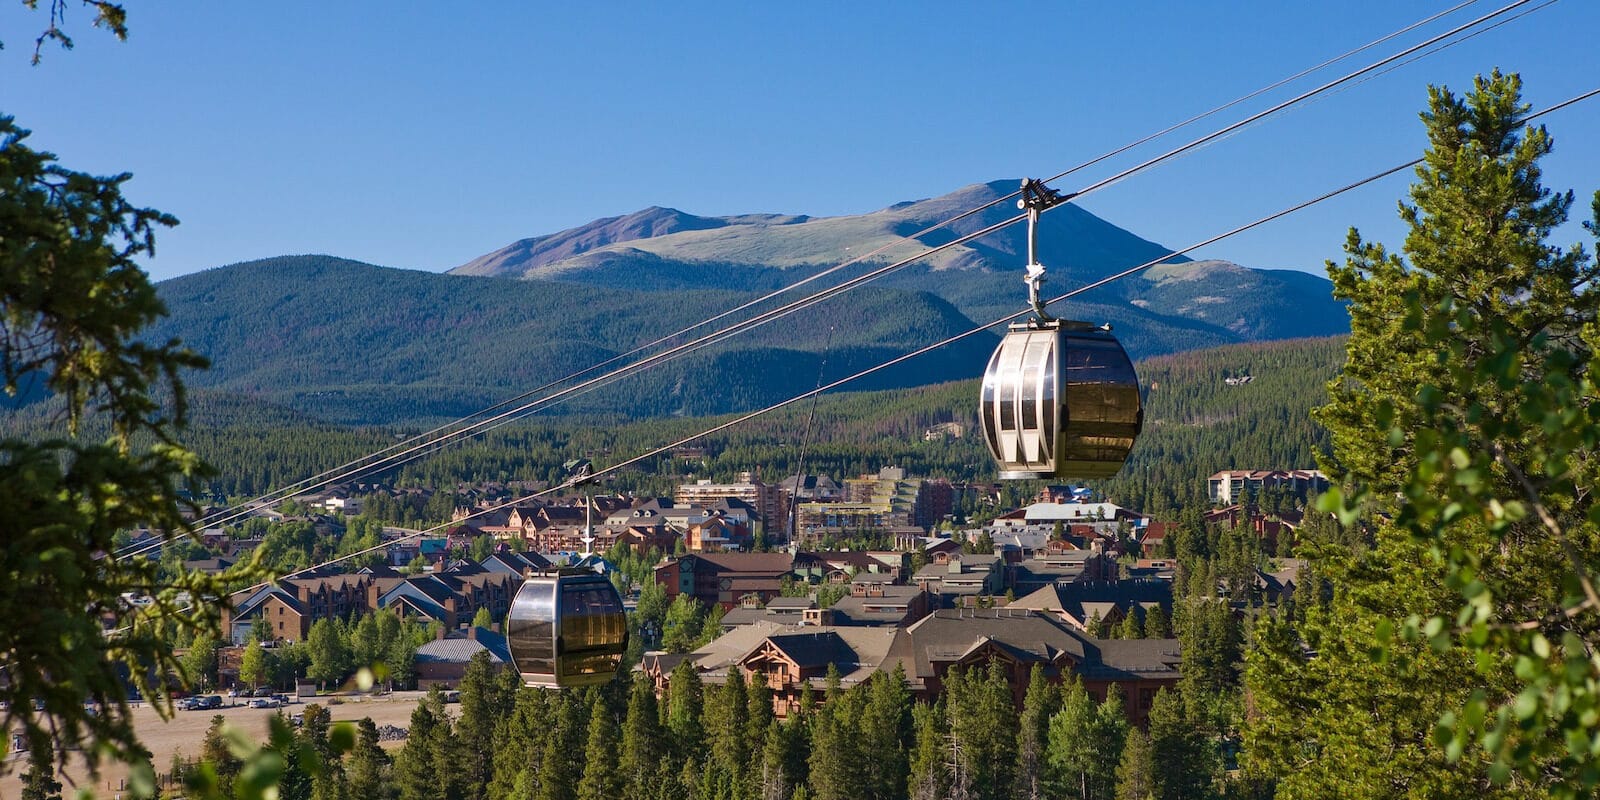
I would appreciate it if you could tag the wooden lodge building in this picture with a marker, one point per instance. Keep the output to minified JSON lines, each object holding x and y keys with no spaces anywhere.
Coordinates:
{"x":790,"y":656}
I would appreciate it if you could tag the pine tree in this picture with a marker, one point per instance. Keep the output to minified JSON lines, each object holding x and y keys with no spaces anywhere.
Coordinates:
{"x":368,"y":770}
{"x":885,"y":731}
{"x":317,"y":756}
{"x":983,"y":723}
{"x":1068,"y":741}
{"x":1442,"y":644}
{"x":214,"y":751}
{"x":1211,"y":641}
{"x":413,"y":768}
{"x":798,"y":729}
{"x":710,"y":626}
{"x":1132,"y":626}
{"x":1110,"y":736}
{"x":728,"y":753}
{"x":1157,"y":624}
{"x":1134,"y":780}
{"x":481,"y":707}
{"x":296,"y":782}
{"x":1096,"y":626}
{"x":520,"y":742}
{"x":773,"y":779}
{"x":39,"y":781}
{"x":758,"y":716}
{"x":684,"y":730}
{"x":832,"y":763}
{"x":1033,"y":733}
{"x":643,"y":752}
{"x":930,"y":777}
{"x":446,"y":753}
{"x":560,"y":770}
{"x":1181,"y":758}
{"x":602,"y":777}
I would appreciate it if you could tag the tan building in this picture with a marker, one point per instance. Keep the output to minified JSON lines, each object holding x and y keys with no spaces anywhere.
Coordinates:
{"x":1231,"y":486}
{"x":765,"y":498}
{"x":791,"y":657}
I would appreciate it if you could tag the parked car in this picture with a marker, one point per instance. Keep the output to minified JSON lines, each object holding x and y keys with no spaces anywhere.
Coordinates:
{"x":264,"y":702}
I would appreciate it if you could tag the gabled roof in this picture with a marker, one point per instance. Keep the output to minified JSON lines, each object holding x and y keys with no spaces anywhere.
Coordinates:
{"x":758,"y":563}
{"x":262,"y":595}
{"x":856,"y":652}
{"x":860,"y":559}
{"x":415,"y":605}
{"x":950,"y":636}
{"x":208,"y":564}
{"x":658,"y":661}
{"x":1045,"y":598}
{"x":1082,"y":601}
{"x":459,"y":649}
{"x":432,"y":587}
{"x":814,"y":650}
{"x":1074,"y":512}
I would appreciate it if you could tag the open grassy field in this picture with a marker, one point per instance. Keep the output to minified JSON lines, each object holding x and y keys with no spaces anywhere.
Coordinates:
{"x":184,"y":732}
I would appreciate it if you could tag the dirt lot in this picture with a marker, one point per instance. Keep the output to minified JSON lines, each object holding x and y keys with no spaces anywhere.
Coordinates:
{"x":184,"y":732}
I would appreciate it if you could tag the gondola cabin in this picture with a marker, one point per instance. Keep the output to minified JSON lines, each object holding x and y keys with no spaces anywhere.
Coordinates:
{"x":567,"y":629}
{"x":1060,"y":400}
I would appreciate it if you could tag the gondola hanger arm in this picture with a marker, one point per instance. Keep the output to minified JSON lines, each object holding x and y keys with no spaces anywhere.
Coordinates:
{"x":1036,"y":199}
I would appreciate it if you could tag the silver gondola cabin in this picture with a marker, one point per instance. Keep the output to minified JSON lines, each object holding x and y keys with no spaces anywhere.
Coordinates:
{"x":567,"y":629}
{"x":1060,"y":398}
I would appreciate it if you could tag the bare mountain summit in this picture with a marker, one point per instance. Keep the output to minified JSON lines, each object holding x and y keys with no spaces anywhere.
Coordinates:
{"x":1178,"y":305}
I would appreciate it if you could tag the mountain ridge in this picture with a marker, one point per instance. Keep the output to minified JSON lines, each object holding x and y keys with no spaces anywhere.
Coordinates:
{"x":980,"y":277}
{"x":358,"y":343}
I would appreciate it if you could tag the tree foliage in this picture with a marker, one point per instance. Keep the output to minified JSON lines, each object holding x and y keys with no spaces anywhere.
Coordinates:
{"x":1452,"y":651}
{"x":72,"y":300}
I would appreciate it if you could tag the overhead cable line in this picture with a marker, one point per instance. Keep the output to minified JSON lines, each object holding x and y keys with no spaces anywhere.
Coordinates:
{"x":741,"y":419}
{"x":394,"y":458}
{"x":1297,"y":99}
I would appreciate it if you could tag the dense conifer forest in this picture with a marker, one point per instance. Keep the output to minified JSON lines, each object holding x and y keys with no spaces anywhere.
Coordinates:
{"x":1196,"y":423}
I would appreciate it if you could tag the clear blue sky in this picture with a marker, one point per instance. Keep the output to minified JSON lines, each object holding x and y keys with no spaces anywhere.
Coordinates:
{"x":422,"y":135}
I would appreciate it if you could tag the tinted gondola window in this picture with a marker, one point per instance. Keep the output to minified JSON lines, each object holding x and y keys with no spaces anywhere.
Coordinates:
{"x":531,"y":629}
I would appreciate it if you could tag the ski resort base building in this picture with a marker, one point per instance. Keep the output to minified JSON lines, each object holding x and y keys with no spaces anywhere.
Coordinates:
{"x":791,"y":656}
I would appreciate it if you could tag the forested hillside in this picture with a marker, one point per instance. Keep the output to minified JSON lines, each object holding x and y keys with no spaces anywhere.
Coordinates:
{"x":1196,"y":423}
{"x":353,"y":343}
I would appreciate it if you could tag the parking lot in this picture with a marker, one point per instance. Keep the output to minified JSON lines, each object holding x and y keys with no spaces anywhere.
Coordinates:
{"x":185,"y":731}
